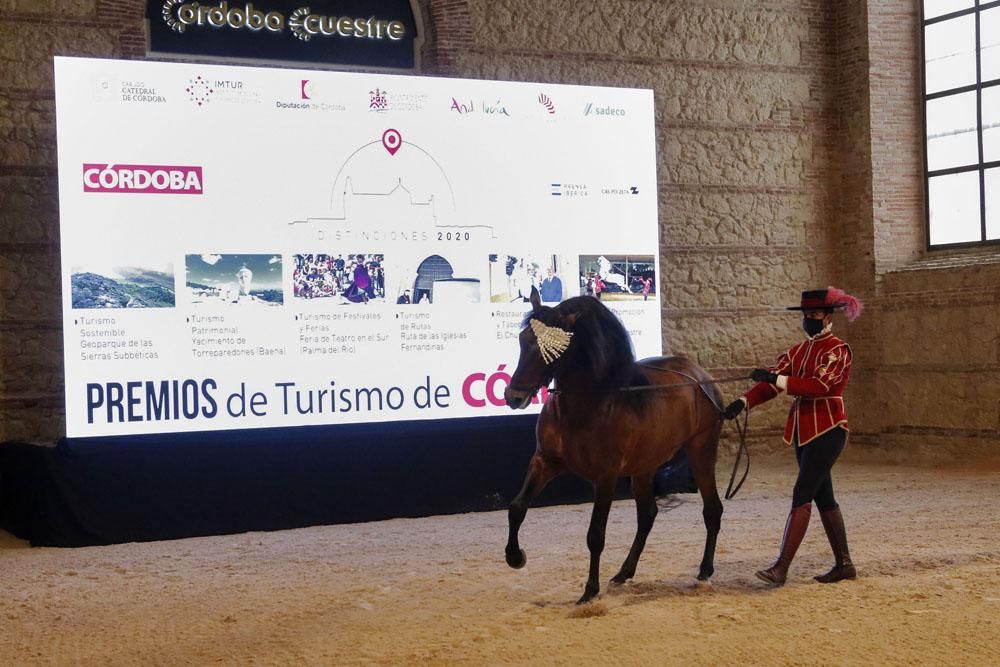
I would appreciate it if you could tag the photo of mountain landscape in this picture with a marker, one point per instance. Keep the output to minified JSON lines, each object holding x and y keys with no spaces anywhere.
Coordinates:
{"x":122,"y":287}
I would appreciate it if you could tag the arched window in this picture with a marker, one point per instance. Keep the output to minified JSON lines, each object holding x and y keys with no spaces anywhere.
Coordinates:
{"x":961,"y":48}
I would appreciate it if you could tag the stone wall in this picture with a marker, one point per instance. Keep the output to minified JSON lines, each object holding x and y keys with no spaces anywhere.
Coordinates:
{"x":789,"y":139}
{"x":746,"y":133}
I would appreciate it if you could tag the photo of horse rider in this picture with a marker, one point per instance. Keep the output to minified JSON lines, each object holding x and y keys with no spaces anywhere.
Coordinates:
{"x":611,"y":277}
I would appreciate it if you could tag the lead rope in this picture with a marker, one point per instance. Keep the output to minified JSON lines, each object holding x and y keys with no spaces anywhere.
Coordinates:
{"x":740,"y":453}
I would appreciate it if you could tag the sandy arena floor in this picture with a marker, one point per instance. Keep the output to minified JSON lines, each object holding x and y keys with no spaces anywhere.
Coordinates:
{"x":437,"y":591}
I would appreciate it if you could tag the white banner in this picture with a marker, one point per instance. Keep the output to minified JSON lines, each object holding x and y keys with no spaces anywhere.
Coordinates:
{"x":246,"y":248}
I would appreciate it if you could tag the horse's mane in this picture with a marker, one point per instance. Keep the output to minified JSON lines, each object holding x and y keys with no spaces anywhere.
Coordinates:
{"x":601,"y":347}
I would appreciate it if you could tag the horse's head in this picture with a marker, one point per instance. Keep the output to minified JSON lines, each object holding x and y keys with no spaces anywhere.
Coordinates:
{"x":546,"y":336}
{"x":580,"y":343}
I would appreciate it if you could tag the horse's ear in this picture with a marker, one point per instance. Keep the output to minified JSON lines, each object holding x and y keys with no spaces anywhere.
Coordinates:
{"x":536,"y":300}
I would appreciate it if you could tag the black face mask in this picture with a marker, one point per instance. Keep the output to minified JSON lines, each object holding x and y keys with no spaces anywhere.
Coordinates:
{"x":811,"y":326}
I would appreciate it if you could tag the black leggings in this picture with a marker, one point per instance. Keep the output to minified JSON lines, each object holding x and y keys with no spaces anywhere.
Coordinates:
{"x":816,"y":459}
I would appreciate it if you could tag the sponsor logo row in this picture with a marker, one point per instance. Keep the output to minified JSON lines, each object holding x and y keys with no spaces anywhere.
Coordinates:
{"x":309,"y":94}
{"x":189,"y":180}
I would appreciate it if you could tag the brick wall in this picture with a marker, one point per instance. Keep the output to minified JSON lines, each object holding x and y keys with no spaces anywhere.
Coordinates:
{"x":789,"y":139}
{"x":936,"y":314}
{"x":30,"y":328}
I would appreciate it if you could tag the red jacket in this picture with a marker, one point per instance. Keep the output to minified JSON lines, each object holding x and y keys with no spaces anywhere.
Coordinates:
{"x":816,"y":373}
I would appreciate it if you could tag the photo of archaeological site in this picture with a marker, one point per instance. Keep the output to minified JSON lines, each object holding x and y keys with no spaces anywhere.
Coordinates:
{"x":224,"y":281}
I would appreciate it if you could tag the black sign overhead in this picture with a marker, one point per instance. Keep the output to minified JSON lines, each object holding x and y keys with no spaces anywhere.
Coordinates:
{"x":359,"y":33}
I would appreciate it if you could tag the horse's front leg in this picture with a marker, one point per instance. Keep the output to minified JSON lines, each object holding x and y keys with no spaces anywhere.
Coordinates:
{"x":604,"y":490}
{"x":645,"y":510}
{"x":539,"y":474}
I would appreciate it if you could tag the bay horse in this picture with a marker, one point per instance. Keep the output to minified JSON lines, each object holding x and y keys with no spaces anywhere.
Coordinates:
{"x":600,"y":424}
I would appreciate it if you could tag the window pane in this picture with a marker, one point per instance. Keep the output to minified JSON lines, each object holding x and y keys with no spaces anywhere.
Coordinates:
{"x":934,"y":8}
{"x":954,"y":205}
{"x":993,"y":203}
{"x":991,"y":123}
{"x":950,"y":53}
{"x":951,"y":132}
{"x":989,"y":43}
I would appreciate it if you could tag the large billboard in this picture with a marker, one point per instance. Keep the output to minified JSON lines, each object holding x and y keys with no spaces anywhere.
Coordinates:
{"x":247,"y":248}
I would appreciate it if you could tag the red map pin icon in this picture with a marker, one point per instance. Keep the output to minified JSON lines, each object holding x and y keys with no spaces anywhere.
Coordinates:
{"x":392,"y":141}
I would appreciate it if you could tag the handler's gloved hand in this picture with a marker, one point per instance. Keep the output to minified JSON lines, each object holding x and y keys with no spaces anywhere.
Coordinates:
{"x":763,"y":375}
{"x":733,"y":409}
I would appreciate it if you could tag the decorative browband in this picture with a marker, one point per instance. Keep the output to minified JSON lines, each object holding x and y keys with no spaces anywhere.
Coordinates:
{"x":552,"y":341}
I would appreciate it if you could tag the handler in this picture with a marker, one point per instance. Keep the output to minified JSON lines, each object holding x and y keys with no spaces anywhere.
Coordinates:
{"x":815,"y":372}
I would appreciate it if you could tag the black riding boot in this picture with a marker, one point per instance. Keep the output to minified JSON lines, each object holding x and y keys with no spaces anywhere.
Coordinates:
{"x":833,"y":522}
{"x":795,"y":530}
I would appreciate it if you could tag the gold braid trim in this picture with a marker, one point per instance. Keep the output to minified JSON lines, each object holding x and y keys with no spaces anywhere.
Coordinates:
{"x":552,"y":341}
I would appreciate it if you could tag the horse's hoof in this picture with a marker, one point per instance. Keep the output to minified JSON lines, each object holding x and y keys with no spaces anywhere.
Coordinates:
{"x":702,"y":584}
{"x":705,"y":575}
{"x":620,"y":579}
{"x":586,"y":597}
{"x":517,"y":560}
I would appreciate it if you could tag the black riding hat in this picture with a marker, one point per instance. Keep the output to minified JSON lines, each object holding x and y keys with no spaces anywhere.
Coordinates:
{"x":828,"y":299}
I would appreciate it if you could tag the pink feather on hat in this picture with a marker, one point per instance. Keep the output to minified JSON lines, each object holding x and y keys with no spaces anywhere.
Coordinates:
{"x":839,"y":298}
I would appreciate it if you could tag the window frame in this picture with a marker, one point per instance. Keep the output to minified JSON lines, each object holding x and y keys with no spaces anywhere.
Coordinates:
{"x":980,"y":166}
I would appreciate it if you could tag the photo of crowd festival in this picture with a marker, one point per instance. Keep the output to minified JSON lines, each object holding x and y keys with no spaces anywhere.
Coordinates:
{"x":351,"y":278}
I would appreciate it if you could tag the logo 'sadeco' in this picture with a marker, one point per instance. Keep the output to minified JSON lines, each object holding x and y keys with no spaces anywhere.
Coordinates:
{"x":142,"y":178}
{"x":591,"y":110}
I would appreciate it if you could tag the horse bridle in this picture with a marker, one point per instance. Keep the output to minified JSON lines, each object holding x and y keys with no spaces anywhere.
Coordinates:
{"x":552,"y":342}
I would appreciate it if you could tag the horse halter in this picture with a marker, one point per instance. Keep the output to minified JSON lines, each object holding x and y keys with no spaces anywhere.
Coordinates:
{"x":552,"y":341}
